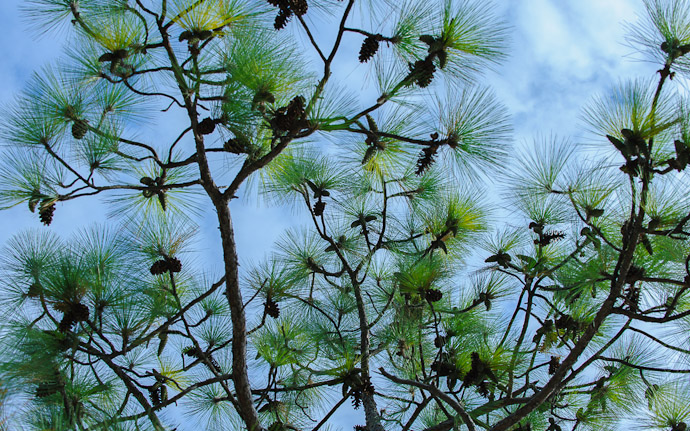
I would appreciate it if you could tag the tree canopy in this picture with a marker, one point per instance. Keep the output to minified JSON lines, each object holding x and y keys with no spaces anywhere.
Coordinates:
{"x":402,"y":291}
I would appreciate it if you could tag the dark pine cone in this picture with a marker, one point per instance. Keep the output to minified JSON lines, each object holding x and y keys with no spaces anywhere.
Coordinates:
{"x":67,"y":322}
{"x":155,"y":395}
{"x":299,"y":7}
{"x":174,"y":264}
{"x":281,"y":121}
{"x":433,"y":295}
{"x":295,"y":109}
{"x":191,"y":351}
{"x":271,"y":308}
{"x":206,"y":126}
{"x":80,"y":312}
{"x":46,"y":212}
{"x":554,"y":363}
{"x":159,"y":267}
{"x":318,"y":208}
{"x":368,"y":388}
{"x":422,"y":72}
{"x":439,"y":341}
{"x":282,"y":19}
{"x":369,"y":48}
{"x":566,"y":322}
{"x":426,"y":159}
{"x":361,"y":428}
{"x":356,"y":398}
{"x":233,"y":146}
{"x":79,"y":128}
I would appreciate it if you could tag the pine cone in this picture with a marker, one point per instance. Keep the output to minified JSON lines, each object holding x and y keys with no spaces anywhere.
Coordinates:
{"x":46,"y":212}
{"x":79,"y":128}
{"x":206,"y":126}
{"x":299,"y":7}
{"x":422,"y":72}
{"x":80,"y":312}
{"x":159,"y":267}
{"x":282,"y":19}
{"x":369,"y":48}
{"x":295,"y":111}
{"x":271,"y":308}
{"x":174,"y":264}
{"x":318,"y":208}
{"x":281,"y":122}
{"x":433,"y":295}
{"x":155,"y":395}
{"x":191,"y":351}
{"x":439,"y":341}
{"x":233,"y":146}
{"x":66,"y":323}
{"x":426,"y":159}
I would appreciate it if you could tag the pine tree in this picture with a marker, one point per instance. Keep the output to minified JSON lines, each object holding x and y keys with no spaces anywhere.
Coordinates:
{"x":370,"y":302}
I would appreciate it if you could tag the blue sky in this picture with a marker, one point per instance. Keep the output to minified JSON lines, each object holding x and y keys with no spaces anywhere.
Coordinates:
{"x":562,"y":53}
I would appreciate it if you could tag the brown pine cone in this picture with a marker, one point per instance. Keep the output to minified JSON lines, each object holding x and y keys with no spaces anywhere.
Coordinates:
{"x":159,"y":267}
{"x":422,"y":72}
{"x":80,"y":312}
{"x":318,"y":208}
{"x":295,"y":109}
{"x":233,"y":146}
{"x":369,"y":48}
{"x":191,"y":351}
{"x":206,"y":126}
{"x":155,"y":395}
{"x":67,"y":322}
{"x":282,"y":19}
{"x":271,"y":308}
{"x":299,"y":7}
{"x":46,"y":212}
{"x":426,"y":159}
{"x":174,"y":264}
{"x":439,"y":341}
{"x":433,"y":295}
{"x":79,"y":128}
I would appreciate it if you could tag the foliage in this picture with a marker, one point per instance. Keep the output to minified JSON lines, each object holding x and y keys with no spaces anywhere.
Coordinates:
{"x":577,"y":316}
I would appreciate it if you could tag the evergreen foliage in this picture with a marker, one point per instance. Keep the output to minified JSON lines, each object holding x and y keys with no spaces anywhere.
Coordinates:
{"x":576,"y":318}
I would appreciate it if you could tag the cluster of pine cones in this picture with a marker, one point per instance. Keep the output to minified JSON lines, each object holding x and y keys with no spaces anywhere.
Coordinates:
{"x":290,"y":118}
{"x":162,"y":266}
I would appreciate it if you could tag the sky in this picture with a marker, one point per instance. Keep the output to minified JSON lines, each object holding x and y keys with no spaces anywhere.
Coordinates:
{"x":562,"y":53}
